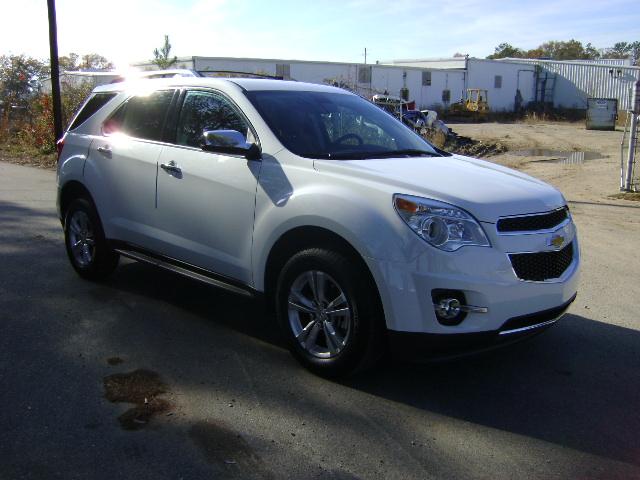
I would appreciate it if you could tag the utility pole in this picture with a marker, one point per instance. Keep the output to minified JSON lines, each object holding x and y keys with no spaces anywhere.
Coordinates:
{"x":55,"y":70}
{"x":365,"y":55}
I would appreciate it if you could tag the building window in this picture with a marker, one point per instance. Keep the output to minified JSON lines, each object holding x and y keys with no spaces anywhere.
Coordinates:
{"x":446,"y":96}
{"x":364,"y":74}
{"x":283,"y":70}
{"x":497,"y":81}
{"x":426,"y":79}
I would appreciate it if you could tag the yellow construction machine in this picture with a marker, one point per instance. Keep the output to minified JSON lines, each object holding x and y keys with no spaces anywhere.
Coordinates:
{"x":476,"y":104}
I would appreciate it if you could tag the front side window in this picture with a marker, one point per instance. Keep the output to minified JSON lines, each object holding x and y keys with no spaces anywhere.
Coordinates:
{"x":142,"y":116}
{"x":204,"y":111}
{"x":335,"y":125}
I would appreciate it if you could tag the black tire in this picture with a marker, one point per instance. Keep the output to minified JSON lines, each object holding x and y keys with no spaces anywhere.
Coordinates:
{"x":93,"y":259}
{"x":358,"y":333}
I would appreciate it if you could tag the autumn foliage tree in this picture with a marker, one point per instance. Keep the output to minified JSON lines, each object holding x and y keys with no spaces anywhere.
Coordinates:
{"x":569,"y":50}
{"x":27,"y":116}
{"x":20,"y":77}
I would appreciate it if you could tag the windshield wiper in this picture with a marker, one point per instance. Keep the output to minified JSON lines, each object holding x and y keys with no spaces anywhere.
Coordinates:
{"x":337,"y":156}
{"x":364,"y":155}
{"x":411,"y":152}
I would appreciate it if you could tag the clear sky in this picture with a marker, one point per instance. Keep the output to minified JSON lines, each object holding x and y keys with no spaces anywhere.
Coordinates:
{"x":128,"y":30}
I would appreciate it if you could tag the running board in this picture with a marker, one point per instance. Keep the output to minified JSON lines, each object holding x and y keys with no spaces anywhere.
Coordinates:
{"x":186,"y":272}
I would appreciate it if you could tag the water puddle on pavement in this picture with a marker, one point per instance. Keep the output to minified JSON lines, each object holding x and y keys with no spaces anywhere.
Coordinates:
{"x":141,"y":388}
{"x":558,"y":156}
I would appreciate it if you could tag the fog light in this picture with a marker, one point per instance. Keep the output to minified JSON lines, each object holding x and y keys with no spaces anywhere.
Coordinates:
{"x":448,"y":308}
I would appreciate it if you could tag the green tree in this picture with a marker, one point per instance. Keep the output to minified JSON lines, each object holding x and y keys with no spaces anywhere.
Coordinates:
{"x":90,"y":61}
{"x":69,"y":62}
{"x":635,"y":52}
{"x":162,"y":59}
{"x":624,"y":50}
{"x":94,"y":61}
{"x":569,"y":50}
{"x":506,"y":50}
{"x":556,"y":50}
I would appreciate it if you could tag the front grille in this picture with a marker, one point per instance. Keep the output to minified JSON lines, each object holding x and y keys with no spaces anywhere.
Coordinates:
{"x":542,"y":266}
{"x":531,"y":223}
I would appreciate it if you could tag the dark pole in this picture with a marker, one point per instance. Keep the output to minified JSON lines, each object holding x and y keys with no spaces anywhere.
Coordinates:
{"x":55,"y":70}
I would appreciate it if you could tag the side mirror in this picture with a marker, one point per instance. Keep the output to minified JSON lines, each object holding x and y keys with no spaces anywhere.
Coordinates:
{"x":231,"y":142}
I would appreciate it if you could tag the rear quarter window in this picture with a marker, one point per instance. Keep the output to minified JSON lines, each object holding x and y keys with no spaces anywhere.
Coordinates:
{"x":95,"y":103}
{"x":142,"y":116}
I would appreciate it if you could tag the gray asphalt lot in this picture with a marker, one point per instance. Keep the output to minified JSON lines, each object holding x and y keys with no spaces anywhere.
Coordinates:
{"x":563,"y":405}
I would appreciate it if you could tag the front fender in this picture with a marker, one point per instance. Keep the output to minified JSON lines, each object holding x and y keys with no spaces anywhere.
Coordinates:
{"x":71,"y":164}
{"x":367,"y":222}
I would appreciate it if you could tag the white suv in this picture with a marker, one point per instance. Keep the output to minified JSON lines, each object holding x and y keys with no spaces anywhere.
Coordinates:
{"x":361,"y":234}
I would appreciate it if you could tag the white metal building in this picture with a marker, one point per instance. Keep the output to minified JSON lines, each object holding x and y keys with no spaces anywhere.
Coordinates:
{"x":428,"y":87}
{"x":77,"y":78}
{"x":436,"y":83}
{"x":566,"y":84}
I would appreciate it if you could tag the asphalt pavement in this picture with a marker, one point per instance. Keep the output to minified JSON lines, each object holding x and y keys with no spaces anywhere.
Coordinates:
{"x":563,"y":405}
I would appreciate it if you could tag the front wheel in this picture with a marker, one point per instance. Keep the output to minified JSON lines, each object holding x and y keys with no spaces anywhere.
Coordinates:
{"x":329,"y":312}
{"x":87,"y":248}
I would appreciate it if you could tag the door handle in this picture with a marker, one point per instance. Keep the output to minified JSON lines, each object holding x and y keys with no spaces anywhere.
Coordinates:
{"x":106,"y":151}
{"x":170,"y":167}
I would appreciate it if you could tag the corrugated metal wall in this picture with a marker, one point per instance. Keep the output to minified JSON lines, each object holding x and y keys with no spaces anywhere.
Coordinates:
{"x":578,"y":81}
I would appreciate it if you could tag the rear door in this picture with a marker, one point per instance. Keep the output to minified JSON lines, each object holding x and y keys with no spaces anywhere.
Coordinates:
{"x":206,"y":200}
{"x":122,"y":167}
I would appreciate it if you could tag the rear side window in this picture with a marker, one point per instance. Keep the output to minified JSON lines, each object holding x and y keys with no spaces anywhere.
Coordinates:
{"x":95,"y":103}
{"x":141,"y":116}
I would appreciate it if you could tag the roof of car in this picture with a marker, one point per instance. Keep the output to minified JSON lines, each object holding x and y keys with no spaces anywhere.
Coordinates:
{"x":249,"y":84}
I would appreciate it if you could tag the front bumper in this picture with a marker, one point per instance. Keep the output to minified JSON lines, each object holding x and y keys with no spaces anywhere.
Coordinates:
{"x":429,"y":346}
{"x":484,"y":275}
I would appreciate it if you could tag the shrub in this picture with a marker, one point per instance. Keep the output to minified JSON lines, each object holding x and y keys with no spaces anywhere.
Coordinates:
{"x":36,"y":131}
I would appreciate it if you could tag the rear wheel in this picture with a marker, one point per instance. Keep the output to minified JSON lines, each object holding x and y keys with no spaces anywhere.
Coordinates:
{"x":87,"y":248}
{"x":329,"y":312}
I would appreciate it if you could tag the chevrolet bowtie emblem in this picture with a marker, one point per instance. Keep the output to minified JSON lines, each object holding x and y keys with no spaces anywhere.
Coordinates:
{"x":556,"y":241}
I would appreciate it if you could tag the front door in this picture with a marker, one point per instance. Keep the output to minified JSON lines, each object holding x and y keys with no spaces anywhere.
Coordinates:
{"x":206,"y":200}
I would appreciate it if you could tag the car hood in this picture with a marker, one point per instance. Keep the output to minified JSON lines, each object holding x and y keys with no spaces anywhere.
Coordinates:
{"x":486,"y":190}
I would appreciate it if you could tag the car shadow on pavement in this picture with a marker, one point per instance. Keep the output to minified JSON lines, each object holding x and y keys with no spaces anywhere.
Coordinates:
{"x":243,"y":314}
{"x":577,"y":385}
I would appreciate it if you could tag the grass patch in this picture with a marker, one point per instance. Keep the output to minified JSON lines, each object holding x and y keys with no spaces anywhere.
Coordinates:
{"x":23,"y":155}
{"x":633,"y":196}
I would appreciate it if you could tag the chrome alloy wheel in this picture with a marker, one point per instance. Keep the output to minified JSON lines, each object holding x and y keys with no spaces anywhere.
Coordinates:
{"x":81,"y":238}
{"x":319,"y":314}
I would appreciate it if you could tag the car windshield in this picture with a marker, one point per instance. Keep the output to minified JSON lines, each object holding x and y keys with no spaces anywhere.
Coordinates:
{"x":336,"y":126}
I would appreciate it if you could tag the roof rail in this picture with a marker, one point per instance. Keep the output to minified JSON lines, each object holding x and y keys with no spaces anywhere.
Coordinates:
{"x":151,"y":74}
{"x":204,"y":73}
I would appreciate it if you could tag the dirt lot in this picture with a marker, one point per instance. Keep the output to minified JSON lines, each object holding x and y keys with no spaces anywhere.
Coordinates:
{"x":609,"y":228}
{"x":592,"y":181}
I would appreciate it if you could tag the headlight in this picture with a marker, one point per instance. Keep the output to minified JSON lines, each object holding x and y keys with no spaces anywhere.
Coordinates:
{"x":442,"y":225}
